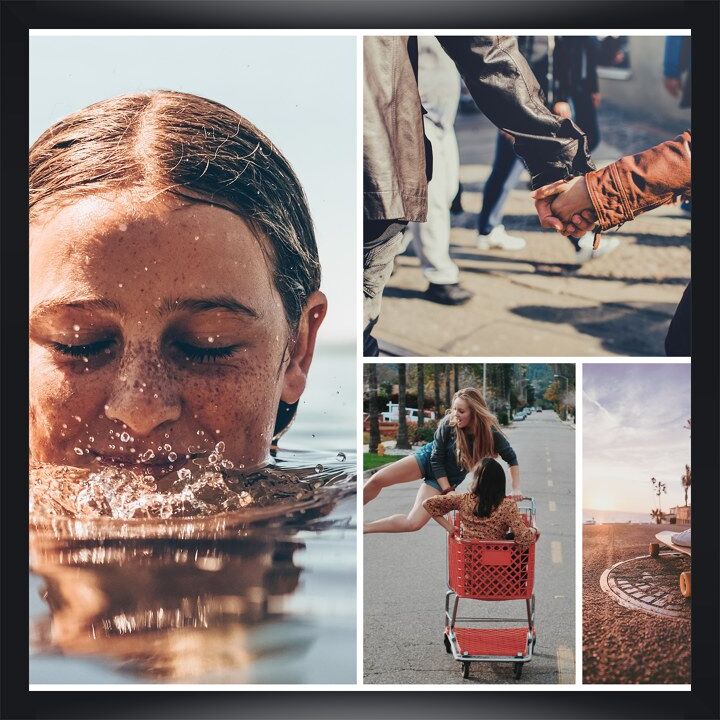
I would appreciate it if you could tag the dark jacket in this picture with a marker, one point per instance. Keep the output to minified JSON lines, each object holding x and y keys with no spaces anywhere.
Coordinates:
{"x":444,"y":454}
{"x":397,"y":161}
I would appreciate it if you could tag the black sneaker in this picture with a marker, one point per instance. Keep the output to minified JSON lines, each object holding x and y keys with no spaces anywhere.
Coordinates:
{"x":448,"y":294}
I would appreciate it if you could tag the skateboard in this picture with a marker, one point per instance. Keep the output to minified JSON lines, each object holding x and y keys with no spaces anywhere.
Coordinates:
{"x":665,"y":538}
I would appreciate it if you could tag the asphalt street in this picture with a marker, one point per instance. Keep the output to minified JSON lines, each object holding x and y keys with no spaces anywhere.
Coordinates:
{"x":405,"y":576}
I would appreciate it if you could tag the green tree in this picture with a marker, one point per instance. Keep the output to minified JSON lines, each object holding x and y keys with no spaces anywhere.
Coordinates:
{"x":686,"y":480}
{"x":402,"y":434}
{"x":421,"y":394}
{"x":373,"y":407}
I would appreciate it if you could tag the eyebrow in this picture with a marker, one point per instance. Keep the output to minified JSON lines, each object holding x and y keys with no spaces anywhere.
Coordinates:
{"x":167,"y":306}
{"x":220,"y":302}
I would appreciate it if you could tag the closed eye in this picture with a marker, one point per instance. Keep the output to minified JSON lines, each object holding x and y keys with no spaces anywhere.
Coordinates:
{"x":205,"y":354}
{"x":84,"y":350}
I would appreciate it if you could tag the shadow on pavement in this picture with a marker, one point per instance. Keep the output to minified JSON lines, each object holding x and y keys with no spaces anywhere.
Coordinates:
{"x":615,"y":325}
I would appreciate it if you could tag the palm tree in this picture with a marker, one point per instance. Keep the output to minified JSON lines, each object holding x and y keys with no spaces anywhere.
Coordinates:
{"x":686,"y":479}
{"x":660,"y":488}
{"x":436,"y":373}
{"x":421,"y":394}
{"x":657,"y":515}
{"x":373,"y":408}
{"x":402,"y":434}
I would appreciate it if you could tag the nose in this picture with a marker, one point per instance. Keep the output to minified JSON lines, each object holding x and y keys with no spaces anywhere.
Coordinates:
{"x":143,"y":395}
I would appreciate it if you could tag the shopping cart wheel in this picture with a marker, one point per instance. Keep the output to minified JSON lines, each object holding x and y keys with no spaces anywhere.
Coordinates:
{"x":518,"y":670}
{"x":446,"y":640}
{"x":466,"y":670}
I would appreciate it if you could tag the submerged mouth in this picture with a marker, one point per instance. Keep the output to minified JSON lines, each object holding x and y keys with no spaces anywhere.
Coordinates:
{"x":152,"y":465}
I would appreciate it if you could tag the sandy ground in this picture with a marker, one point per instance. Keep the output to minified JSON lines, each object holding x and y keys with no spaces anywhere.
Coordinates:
{"x":622,"y":645}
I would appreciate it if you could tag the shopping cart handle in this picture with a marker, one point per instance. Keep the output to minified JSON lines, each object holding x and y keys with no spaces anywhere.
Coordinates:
{"x":518,"y":498}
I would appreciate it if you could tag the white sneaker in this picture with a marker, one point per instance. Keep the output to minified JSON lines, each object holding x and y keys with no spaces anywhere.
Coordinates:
{"x":586,"y":252}
{"x":499,"y":239}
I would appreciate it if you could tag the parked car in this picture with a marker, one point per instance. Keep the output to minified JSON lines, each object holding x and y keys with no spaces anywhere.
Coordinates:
{"x":519,"y":415}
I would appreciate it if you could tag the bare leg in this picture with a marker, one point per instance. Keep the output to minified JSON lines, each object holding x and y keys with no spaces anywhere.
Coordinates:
{"x":401,"y":471}
{"x":414,"y":520}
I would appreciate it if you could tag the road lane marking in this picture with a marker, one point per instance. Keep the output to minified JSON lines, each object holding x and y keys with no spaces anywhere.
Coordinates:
{"x":565,"y":665}
{"x":553,"y":506}
{"x":556,"y":551}
{"x":550,"y":483}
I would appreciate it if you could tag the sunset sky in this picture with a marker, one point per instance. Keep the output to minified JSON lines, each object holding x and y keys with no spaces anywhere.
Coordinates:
{"x":633,"y":418}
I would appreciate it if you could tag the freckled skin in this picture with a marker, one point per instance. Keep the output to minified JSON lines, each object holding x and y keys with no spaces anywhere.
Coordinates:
{"x":145,"y":383}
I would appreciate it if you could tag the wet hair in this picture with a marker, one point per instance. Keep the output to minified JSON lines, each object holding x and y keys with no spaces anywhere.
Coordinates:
{"x":480,"y":429}
{"x":489,"y":487}
{"x":189,"y":146}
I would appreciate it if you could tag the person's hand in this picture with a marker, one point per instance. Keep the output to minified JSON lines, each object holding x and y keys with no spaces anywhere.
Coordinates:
{"x":596,"y":98}
{"x":672,"y":85}
{"x":574,"y":207}
{"x":565,"y":206}
{"x":516,"y":492}
{"x":562,"y":109}
{"x":543,"y":197}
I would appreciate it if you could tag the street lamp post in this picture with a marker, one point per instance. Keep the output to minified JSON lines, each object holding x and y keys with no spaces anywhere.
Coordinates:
{"x":564,"y":396}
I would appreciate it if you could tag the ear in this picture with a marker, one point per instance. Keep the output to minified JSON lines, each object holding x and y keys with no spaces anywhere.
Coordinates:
{"x":301,"y":351}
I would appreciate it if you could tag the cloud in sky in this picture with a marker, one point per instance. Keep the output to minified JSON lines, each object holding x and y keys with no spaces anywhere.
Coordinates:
{"x":633,"y":418}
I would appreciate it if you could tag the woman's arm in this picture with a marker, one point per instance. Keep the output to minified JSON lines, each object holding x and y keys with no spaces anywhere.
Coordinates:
{"x":523,"y":534}
{"x":440,"y":505}
{"x":504,"y":449}
{"x":439,"y":453}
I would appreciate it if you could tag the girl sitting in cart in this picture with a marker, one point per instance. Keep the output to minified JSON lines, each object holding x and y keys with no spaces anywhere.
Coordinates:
{"x":466,"y":436}
{"x":485,"y":512}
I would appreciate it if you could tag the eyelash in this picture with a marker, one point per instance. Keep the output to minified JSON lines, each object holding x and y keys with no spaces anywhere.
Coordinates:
{"x":83,"y":350}
{"x":203,"y":354}
{"x":192,"y":352}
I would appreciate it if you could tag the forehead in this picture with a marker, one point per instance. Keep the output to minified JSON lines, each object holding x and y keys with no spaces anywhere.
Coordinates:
{"x":460,"y":403}
{"x":101,"y":245}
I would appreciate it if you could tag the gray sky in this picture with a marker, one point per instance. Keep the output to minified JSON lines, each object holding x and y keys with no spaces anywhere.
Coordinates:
{"x":633,"y":418}
{"x":300,"y":91}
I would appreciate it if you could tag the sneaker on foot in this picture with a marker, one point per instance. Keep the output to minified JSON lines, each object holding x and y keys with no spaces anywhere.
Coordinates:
{"x":501,"y":240}
{"x":448,"y":294}
{"x":585,"y":250}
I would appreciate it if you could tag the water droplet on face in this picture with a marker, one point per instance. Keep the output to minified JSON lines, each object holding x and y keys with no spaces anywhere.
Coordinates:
{"x":76,"y":328}
{"x":147,"y":455}
{"x":167,"y":435}
{"x":211,"y":339}
{"x":65,"y":426}
{"x":120,"y":285}
{"x":200,"y":432}
{"x":155,"y":395}
{"x":167,"y":447}
{"x":78,"y":451}
{"x":91,"y":439}
{"x":220,"y":447}
{"x":125,"y":437}
{"x":172,"y":457}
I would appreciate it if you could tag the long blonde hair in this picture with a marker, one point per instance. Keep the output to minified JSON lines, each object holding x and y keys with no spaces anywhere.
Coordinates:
{"x":481,"y":426}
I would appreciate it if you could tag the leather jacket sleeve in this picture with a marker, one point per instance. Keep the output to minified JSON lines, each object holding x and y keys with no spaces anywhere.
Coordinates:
{"x":506,"y":90}
{"x":637,"y":183}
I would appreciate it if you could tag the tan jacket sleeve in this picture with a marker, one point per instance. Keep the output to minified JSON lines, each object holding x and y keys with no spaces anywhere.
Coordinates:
{"x":637,"y":183}
{"x":442,"y":504}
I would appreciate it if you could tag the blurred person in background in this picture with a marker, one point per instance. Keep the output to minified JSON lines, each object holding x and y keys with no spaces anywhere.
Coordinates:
{"x":439,"y":85}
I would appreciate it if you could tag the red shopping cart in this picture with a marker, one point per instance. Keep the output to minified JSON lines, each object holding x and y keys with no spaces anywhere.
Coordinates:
{"x":491,"y":570}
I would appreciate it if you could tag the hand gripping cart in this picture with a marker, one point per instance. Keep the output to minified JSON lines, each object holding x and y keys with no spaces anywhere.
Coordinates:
{"x":491,"y":570}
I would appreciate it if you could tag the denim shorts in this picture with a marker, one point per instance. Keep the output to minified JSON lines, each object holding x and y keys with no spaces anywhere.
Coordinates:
{"x":423,"y":460}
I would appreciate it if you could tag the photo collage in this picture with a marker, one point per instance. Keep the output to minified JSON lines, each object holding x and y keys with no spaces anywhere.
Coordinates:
{"x":360,"y":361}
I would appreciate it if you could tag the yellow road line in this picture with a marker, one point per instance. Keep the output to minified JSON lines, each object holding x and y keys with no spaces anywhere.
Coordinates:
{"x":566,"y":665}
{"x":556,"y":551}
{"x":553,"y":506}
{"x":550,"y":483}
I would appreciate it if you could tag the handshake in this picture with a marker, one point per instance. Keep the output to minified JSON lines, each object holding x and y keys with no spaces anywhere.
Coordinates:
{"x":565,"y":206}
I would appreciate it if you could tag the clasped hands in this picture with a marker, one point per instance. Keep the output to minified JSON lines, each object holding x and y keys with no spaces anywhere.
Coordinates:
{"x":565,"y":206}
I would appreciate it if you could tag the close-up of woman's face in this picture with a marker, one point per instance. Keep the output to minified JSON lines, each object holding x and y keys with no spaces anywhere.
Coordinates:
{"x":461,"y":411}
{"x":156,"y":331}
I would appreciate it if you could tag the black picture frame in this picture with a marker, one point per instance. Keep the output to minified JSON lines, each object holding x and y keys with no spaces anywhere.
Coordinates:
{"x":702,"y":18}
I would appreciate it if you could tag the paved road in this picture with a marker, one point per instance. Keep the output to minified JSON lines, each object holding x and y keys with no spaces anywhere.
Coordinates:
{"x":528,"y":301}
{"x":405,"y":575}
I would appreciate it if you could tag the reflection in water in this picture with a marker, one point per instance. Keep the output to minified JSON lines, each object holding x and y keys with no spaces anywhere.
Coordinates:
{"x":194,"y":597}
